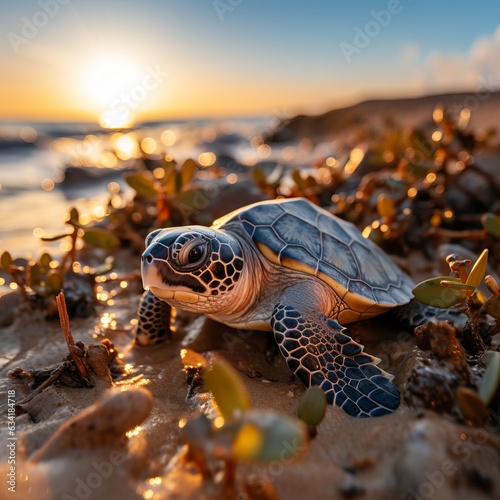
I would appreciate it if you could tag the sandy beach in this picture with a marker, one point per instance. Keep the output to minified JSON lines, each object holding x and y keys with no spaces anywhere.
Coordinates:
{"x":119,"y":433}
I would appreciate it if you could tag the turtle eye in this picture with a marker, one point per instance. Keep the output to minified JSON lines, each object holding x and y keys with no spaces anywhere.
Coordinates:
{"x":196,"y":253}
{"x":193,"y":253}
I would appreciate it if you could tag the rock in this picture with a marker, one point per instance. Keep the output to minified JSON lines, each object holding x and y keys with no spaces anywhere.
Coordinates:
{"x":103,"y":423}
{"x":9,"y":302}
{"x":441,"y":460}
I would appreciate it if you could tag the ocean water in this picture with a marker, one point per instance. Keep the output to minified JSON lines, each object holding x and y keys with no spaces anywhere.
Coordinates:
{"x":24,"y":205}
{"x":34,"y":159}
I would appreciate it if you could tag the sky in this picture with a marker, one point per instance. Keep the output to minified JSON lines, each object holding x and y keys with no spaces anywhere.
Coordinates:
{"x":122,"y":60}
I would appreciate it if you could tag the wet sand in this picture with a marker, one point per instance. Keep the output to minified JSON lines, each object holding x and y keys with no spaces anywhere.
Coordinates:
{"x":412,"y":452}
{"x":121,"y":438}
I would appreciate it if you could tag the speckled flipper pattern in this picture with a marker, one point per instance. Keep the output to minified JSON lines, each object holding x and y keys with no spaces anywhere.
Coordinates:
{"x":319,"y":353}
{"x":153,"y":320}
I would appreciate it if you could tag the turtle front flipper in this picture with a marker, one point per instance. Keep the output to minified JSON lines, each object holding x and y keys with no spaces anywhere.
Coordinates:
{"x":153,"y":320}
{"x":319,"y":353}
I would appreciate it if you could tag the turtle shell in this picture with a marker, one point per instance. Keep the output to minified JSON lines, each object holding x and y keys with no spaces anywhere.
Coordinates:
{"x":299,"y":235}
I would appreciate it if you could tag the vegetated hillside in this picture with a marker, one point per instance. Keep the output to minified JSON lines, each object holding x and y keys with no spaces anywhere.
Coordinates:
{"x":414,"y":112}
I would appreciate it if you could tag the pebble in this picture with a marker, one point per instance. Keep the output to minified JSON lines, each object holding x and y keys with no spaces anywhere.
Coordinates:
{"x":103,"y":423}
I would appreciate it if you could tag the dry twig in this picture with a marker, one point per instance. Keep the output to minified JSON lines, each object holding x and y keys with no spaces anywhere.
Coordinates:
{"x":74,"y":351}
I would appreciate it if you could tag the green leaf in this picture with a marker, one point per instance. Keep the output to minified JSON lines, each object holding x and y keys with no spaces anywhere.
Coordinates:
{"x":478,"y":270}
{"x":259,"y":176}
{"x":33,"y":274}
{"x":188,"y":172}
{"x":310,"y":181}
{"x":298,"y":180}
{"x":493,"y":308}
{"x":170,"y":180}
{"x":422,"y":144}
{"x":463,"y":288}
{"x":491,"y":223}
{"x":177,"y":182}
{"x":74,"y":216}
{"x":6,"y":261}
{"x":101,"y":238}
{"x":432,"y":293}
{"x":491,"y":379}
{"x":45,"y":260}
{"x":471,"y":405}
{"x":385,"y":206}
{"x":248,"y":442}
{"x":189,"y":200}
{"x":54,"y":282}
{"x":312,"y":406}
{"x":266,"y":436}
{"x":169,"y":168}
{"x":143,"y":183}
{"x":117,"y":217}
{"x":227,"y":389}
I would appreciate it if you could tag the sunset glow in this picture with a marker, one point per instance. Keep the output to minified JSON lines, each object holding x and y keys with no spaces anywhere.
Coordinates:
{"x":95,"y":61}
{"x":108,"y":85}
{"x":109,"y":77}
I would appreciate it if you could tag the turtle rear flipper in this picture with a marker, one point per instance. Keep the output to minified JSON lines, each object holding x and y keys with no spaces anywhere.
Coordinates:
{"x":414,"y":314}
{"x":319,"y":353}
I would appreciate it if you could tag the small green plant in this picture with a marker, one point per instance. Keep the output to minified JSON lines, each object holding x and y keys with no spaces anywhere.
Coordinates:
{"x":312,"y":408}
{"x":241,"y":433}
{"x":41,"y":276}
{"x":269,"y":184}
{"x":461,"y":290}
{"x":474,"y":404}
{"x":99,"y":237}
{"x":42,"y":279}
{"x":402,"y":186}
{"x":169,"y":188}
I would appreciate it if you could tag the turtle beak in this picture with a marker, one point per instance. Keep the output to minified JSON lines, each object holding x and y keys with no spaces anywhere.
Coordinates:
{"x":149,"y":272}
{"x":151,"y":279}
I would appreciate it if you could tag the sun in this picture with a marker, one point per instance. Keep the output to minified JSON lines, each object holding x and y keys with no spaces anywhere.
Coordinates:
{"x":110,"y":76}
{"x":116,"y":119}
{"x":110,"y":81}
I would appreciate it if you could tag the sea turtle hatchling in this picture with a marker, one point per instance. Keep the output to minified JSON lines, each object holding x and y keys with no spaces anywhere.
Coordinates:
{"x":289,"y":267}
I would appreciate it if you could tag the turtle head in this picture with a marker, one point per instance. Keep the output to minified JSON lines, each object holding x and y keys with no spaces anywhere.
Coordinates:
{"x":191,"y":267}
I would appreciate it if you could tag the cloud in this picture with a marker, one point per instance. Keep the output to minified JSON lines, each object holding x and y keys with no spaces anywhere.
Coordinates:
{"x":410,"y":53}
{"x":446,"y":71}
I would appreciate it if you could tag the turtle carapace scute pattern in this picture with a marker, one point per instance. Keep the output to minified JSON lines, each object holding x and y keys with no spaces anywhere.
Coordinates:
{"x":290,"y":267}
